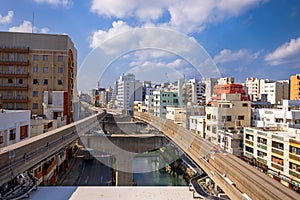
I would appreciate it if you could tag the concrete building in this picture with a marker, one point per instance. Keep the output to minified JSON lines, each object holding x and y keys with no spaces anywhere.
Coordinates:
{"x":275,"y":91}
{"x":276,"y":151}
{"x":209,"y":87}
{"x":198,"y":125}
{"x":193,"y":92}
{"x":161,"y":100}
{"x":229,"y":113}
{"x":295,"y":87}
{"x":253,"y":88}
{"x":288,"y":115}
{"x":128,"y":91}
{"x":32,"y":63}
{"x":14,"y":126}
{"x":108,"y":95}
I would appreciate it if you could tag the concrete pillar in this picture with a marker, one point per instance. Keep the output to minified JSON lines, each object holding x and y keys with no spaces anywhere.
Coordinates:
{"x":124,"y":176}
{"x":6,"y":136}
{"x":17,"y":125}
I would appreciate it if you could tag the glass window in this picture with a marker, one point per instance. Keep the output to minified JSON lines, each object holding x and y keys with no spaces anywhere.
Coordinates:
{"x":35,"y":81}
{"x":60,"y":70}
{"x":60,"y":58}
{"x":35,"y":57}
{"x":10,"y":56}
{"x":9,"y":80}
{"x":20,"y":69}
{"x":35,"y":69}
{"x":19,"y":106}
{"x":35,"y":93}
{"x":35,"y":105}
{"x":45,"y":82}
{"x":20,"y":57}
{"x":45,"y":57}
{"x":11,"y":68}
{"x":59,"y":82}
{"x":20,"y":81}
{"x":45,"y":69}
{"x":241,"y":117}
{"x":10,"y":106}
{"x":228,"y":118}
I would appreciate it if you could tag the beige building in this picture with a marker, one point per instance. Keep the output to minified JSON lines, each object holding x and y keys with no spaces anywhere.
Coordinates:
{"x":252,"y":85}
{"x":229,"y":113}
{"x":295,"y":87}
{"x":32,"y":63}
{"x":276,"y":151}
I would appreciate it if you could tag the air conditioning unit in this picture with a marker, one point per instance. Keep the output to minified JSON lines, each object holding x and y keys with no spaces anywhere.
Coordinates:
{"x":294,"y":167}
{"x":294,"y":150}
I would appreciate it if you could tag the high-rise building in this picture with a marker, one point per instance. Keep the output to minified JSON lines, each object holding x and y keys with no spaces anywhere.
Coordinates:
{"x":209,"y":87}
{"x":275,"y":91}
{"x":252,"y":85}
{"x":295,"y":87}
{"x":32,"y":63}
{"x":128,"y":91}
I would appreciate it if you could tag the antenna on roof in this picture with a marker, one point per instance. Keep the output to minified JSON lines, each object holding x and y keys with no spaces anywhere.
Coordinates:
{"x":32,"y":25}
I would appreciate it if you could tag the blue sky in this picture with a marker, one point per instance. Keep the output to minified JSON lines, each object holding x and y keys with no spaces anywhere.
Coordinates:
{"x":259,"y":38}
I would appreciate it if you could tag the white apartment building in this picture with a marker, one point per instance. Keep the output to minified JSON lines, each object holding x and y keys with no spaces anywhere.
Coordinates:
{"x":288,"y":115}
{"x":253,"y":88}
{"x":14,"y":126}
{"x":274,"y":90}
{"x":198,"y":125}
{"x":128,"y":91}
{"x":194,"y":92}
{"x":209,"y":87}
{"x":228,"y":113}
{"x":276,"y":151}
{"x":54,"y":106}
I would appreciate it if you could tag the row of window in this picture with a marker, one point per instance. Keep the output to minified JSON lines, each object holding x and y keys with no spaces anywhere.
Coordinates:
{"x":45,"y":82}
{"x":46,"y":57}
{"x":224,"y":118}
{"x":46,"y":69}
{"x":20,"y":106}
{"x":11,"y":57}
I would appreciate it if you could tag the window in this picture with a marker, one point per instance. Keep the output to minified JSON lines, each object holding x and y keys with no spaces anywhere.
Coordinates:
{"x":35,"y":57}
{"x":1,"y":139}
{"x":20,"y":69}
{"x":45,"y":57}
{"x":35,"y":82}
{"x":10,"y":57}
{"x":45,"y":69}
{"x":12,"y":134}
{"x":228,"y":118}
{"x":45,"y":82}
{"x":35,"y":105}
{"x":60,"y":58}
{"x":245,"y":105}
{"x":35,"y":94}
{"x":10,"y":106}
{"x":60,"y":70}
{"x":20,"y":106}
{"x":241,"y":117}
{"x":35,"y":69}
{"x":20,"y":81}
{"x":20,"y":57}
{"x":23,"y":132}
{"x":59,"y":82}
{"x":10,"y":81}
{"x":11,"y":68}
{"x":10,"y":93}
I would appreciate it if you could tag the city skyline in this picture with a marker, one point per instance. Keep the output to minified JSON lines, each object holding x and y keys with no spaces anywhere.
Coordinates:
{"x":257,"y":38}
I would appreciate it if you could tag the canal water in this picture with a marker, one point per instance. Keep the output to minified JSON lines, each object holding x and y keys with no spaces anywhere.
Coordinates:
{"x":157,"y":171}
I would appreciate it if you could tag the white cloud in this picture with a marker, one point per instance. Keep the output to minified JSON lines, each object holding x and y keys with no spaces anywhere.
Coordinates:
{"x":286,"y":53}
{"x":26,"y":26}
{"x":63,"y":3}
{"x":243,"y":56}
{"x":100,"y":36}
{"x":186,"y":16}
{"x":8,"y":18}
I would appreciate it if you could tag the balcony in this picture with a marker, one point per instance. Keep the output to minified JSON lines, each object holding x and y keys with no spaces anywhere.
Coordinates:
{"x":277,"y":166}
{"x":15,"y":99}
{"x":247,"y":154}
{"x":277,"y":151}
{"x":294,"y":173}
{"x":10,"y":86}
{"x":249,"y":142}
{"x":262,"y":146}
{"x":294,"y":157}
{"x":11,"y":74}
{"x":261,"y":160}
{"x":14,"y":49}
{"x":14,"y":62}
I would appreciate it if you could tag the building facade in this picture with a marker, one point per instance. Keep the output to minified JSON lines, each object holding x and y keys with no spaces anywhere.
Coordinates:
{"x":32,"y":63}
{"x":253,"y":87}
{"x":14,"y":126}
{"x":275,"y":91}
{"x":295,"y":87}
{"x":275,"y":151}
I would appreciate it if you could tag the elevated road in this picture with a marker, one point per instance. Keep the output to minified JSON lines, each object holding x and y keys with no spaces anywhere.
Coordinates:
{"x":217,"y":163}
{"x":19,"y":157}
